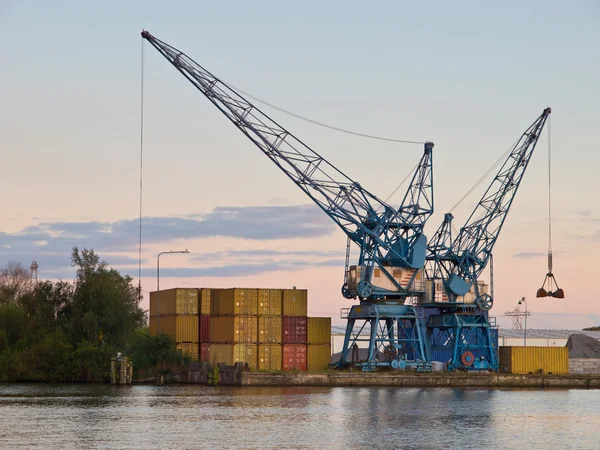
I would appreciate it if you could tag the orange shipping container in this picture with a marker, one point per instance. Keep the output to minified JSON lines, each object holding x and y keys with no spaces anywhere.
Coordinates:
{"x":234,"y":302}
{"x":233,"y":329}
{"x":270,"y":302}
{"x":295,"y":302}
{"x":319,"y":330}
{"x":174,"y":301}
{"x":318,"y":357}
{"x":269,"y":329}
{"x":269,"y":357}
{"x":180,"y":328}
{"x":232,"y":353}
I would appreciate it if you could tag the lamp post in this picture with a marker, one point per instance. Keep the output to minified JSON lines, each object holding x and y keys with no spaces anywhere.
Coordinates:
{"x":525,"y":335}
{"x":158,"y":284}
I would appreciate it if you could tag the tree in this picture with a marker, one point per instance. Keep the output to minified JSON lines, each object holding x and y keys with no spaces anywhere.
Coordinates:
{"x":105,"y":303}
{"x":15,"y":280}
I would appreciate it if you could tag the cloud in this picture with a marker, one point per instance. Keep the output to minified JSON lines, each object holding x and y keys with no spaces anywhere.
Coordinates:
{"x":50,"y":243}
{"x":525,"y":255}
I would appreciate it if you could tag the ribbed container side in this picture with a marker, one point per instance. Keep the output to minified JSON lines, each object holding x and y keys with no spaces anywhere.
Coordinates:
{"x":294,"y":330}
{"x":204,"y":328}
{"x":232,"y":353}
{"x":319,"y":330}
{"x":269,"y":330}
{"x":204,"y":296}
{"x":269,"y":357}
{"x":189,"y":348}
{"x":318,"y":357}
{"x":233,"y":329}
{"x":270,"y":302}
{"x":525,"y":360}
{"x":205,"y":351}
{"x":182,"y":328}
{"x":234,"y":302}
{"x":295,"y":302}
{"x":294,"y":357}
{"x":166,"y":299}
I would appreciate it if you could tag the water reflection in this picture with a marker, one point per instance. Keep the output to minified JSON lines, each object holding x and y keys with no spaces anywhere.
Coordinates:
{"x":89,"y":416}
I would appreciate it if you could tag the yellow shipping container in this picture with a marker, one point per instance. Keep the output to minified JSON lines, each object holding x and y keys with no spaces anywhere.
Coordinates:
{"x":180,"y":328}
{"x":174,"y":301}
{"x":233,"y":329}
{"x":270,"y":302}
{"x":189,"y":348}
{"x":318,"y":357}
{"x":319,"y":330}
{"x":270,"y":329}
{"x":270,"y":357}
{"x":295,"y":302}
{"x":232,"y":353}
{"x":204,"y":296}
{"x":525,"y":360}
{"x":234,"y":302}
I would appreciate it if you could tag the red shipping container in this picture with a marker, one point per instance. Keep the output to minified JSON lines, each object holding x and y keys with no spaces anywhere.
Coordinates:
{"x":294,"y":330}
{"x":204,"y":352}
{"x":294,"y":357}
{"x":204,"y":328}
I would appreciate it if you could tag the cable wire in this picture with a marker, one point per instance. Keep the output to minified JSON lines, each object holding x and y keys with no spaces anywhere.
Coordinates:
{"x":504,"y":155}
{"x":321,"y":124}
{"x":141,"y":166}
{"x":549,"y":184}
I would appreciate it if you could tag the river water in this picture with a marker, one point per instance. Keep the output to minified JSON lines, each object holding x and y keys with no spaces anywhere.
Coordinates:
{"x":191,"y":417}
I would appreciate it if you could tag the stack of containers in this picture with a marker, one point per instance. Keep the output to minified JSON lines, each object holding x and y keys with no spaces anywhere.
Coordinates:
{"x":178,"y":317}
{"x":295,"y":323}
{"x":204,"y":299}
{"x":269,"y":329}
{"x":234,"y":326}
{"x":319,"y":343}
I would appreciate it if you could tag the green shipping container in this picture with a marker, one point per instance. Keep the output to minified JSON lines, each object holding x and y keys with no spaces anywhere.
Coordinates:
{"x":318,"y":357}
{"x":319,"y":330}
{"x":295,"y":302}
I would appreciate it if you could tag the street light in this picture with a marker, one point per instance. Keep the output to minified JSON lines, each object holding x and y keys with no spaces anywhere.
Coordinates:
{"x":525,"y":336}
{"x":158,"y":284}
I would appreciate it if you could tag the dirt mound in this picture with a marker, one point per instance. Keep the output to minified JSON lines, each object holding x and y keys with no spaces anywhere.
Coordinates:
{"x":582,"y":346}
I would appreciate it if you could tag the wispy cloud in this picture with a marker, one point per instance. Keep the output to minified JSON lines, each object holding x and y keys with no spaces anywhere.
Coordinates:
{"x":525,"y":255}
{"x":50,"y":243}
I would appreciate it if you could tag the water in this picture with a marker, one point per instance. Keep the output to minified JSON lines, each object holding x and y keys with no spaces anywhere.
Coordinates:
{"x":188,"y":417}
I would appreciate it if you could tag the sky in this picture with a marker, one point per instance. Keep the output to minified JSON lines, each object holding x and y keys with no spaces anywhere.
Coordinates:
{"x":471,"y":77}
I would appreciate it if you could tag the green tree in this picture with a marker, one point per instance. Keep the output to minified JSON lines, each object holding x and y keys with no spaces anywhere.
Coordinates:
{"x":105,"y":303}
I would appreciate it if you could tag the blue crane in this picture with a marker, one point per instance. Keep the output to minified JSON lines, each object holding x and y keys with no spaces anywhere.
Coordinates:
{"x":454,"y":264}
{"x":392,"y":246}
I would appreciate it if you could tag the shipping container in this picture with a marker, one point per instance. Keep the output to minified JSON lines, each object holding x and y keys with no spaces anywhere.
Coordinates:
{"x":319,"y":330}
{"x":174,"y":301}
{"x":233,"y":329}
{"x":269,"y":330}
{"x":270,"y":302}
{"x":204,"y":322}
{"x":525,"y":360}
{"x":269,"y":357}
{"x":294,"y":330}
{"x":205,"y":352}
{"x":180,"y":328}
{"x":204,"y":296}
{"x":189,"y":348}
{"x":318,"y":357}
{"x":232,"y":353}
{"x":294,"y":357}
{"x":295,"y":302}
{"x":234,"y":302}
